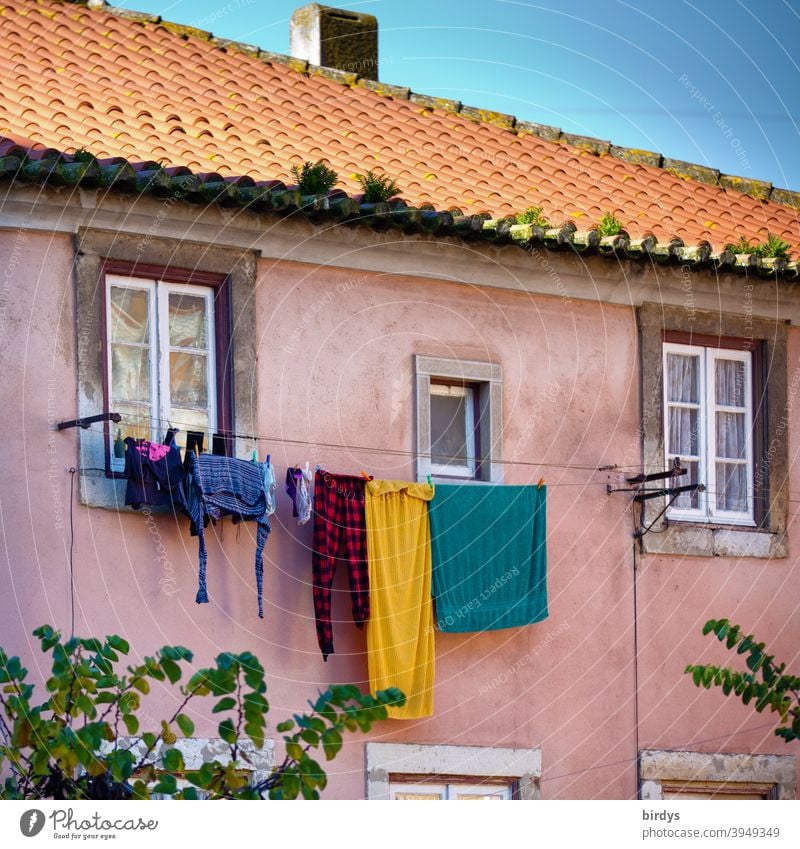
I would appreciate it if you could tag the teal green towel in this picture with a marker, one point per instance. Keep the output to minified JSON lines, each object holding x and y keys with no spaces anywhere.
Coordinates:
{"x":489,"y":556}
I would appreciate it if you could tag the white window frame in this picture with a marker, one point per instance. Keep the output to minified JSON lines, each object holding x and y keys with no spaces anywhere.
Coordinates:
{"x":160,"y":349}
{"x":450,"y":791}
{"x":458,"y":390}
{"x":486,"y":381}
{"x":707,"y":510}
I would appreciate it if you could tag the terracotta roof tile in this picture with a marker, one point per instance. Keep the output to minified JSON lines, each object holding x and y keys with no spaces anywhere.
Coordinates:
{"x":123,"y":83}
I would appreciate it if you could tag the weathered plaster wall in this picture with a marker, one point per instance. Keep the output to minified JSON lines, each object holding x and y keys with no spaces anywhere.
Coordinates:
{"x":334,"y":366}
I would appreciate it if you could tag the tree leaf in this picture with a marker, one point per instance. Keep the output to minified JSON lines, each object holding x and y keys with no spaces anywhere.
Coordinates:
{"x":131,"y":723}
{"x":173,"y":760}
{"x":227,"y":703}
{"x":185,"y":724}
{"x":227,"y":731}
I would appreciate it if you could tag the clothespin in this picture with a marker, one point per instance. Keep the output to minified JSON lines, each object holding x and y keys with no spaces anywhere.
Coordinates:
{"x":254,"y":458}
{"x":365,"y":475}
{"x":540,"y":484}
{"x":268,"y":456}
{"x":308,"y":471}
{"x":430,"y":482}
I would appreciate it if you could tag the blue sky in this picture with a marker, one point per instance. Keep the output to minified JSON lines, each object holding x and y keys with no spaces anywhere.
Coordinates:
{"x":710,"y":81}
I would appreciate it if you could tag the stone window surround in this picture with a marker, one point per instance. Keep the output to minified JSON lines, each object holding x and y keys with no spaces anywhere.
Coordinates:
{"x":487,"y":377}
{"x":709,"y":539}
{"x":386,"y":760}
{"x":659,"y":767}
{"x":92,"y":248}
{"x":199,"y":750}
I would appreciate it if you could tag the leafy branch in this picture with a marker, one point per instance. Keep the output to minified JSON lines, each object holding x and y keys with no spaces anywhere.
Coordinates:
{"x":766,"y":683}
{"x":47,"y":756}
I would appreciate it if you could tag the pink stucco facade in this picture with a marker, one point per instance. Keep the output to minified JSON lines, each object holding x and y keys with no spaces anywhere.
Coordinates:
{"x":335,"y":367}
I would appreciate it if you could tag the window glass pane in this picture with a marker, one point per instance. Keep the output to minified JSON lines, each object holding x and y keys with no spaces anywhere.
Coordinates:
{"x":732,"y":487}
{"x":687,"y":500}
{"x":135,"y":420}
{"x":448,"y":430}
{"x":129,"y":315}
{"x":187,"y":321}
{"x":682,"y":378}
{"x":419,"y":797}
{"x":683,"y":431}
{"x":488,"y":796}
{"x":186,"y":420}
{"x":130,"y":373}
{"x":730,"y":383}
{"x":188,"y":380}
{"x":731,"y":441}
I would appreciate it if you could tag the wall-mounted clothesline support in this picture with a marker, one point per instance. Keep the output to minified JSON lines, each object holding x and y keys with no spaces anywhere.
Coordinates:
{"x":672,"y":492}
{"x":90,"y":420}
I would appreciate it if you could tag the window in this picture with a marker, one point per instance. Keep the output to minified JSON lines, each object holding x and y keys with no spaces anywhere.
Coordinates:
{"x":454,"y":434}
{"x":708,"y":423}
{"x":224,"y":279}
{"x":160,"y":356}
{"x":453,"y":791}
{"x":406,"y":771}
{"x":459,"y":419}
{"x":714,"y":775}
{"x":732,"y":434}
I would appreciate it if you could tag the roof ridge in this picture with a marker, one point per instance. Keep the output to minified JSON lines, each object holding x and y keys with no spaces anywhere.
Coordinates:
{"x":758,"y":189}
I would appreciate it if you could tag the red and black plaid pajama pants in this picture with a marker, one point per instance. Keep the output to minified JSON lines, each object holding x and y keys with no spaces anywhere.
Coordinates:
{"x":340,"y":534}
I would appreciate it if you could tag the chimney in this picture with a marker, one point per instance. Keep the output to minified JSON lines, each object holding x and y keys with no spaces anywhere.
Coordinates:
{"x":335,"y":38}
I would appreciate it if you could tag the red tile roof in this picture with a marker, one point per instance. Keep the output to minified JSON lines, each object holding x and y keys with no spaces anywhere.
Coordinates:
{"x":122,"y":84}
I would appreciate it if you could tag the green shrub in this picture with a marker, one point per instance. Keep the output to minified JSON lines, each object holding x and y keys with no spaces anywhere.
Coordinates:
{"x":533,"y":215}
{"x":609,"y":225}
{"x":71,"y":745}
{"x":377,"y":187}
{"x":314,"y":178}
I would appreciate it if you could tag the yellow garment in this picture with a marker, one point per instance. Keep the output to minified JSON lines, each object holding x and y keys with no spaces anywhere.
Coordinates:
{"x":400,"y":647}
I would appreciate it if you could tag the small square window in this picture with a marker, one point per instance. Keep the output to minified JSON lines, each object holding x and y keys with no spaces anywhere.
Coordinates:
{"x":454,"y":430}
{"x":459,"y":419}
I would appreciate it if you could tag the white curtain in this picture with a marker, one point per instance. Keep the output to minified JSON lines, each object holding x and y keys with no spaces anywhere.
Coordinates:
{"x":683,"y":427}
{"x":731,"y":437}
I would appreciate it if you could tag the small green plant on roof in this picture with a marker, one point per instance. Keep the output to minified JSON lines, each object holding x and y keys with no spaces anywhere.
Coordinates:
{"x":764,"y":682}
{"x":609,"y":225}
{"x":774,"y":247}
{"x":82,"y":155}
{"x":314,"y":178}
{"x":83,"y":740}
{"x":377,"y":187}
{"x":533,"y":215}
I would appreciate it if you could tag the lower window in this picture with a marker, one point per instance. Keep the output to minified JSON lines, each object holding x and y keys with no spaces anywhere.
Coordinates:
{"x":714,"y":775}
{"x":469,"y":790}
{"x":408,"y":772}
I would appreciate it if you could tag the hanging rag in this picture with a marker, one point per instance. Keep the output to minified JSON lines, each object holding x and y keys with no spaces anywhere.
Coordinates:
{"x":340,"y":536}
{"x":154,"y":473}
{"x":298,"y":486}
{"x":270,"y":486}
{"x":489,"y":556}
{"x":223,"y":486}
{"x":400,"y":640}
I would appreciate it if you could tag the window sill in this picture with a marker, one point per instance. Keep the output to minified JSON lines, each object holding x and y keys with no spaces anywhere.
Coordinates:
{"x":711,"y":540}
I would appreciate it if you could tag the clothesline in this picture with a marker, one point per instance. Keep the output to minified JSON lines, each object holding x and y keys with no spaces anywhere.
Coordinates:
{"x":392,"y":452}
